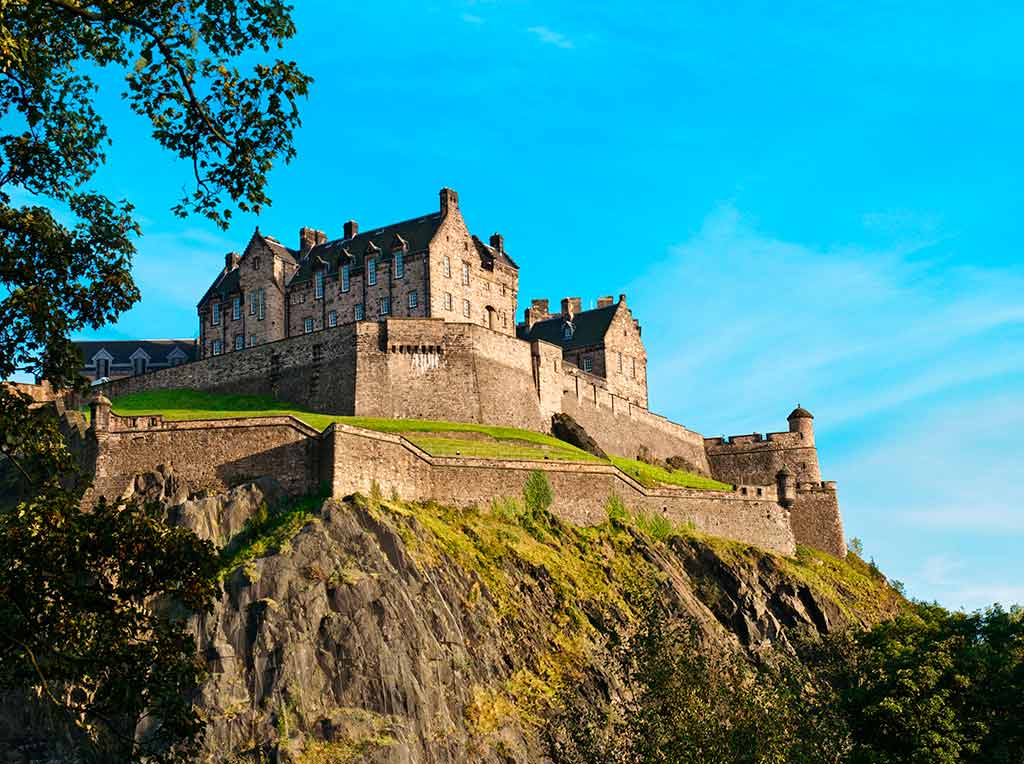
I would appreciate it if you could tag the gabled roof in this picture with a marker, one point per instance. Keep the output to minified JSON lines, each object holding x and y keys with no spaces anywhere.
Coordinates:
{"x":488,"y":252}
{"x":416,"y":233}
{"x":122,"y":350}
{"x":229,"y":281}
{"x":589,"y":328}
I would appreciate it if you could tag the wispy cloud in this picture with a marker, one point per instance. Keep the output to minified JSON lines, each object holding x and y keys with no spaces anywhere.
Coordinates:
{"x":551,"y":37}
{"x":470,"y":18}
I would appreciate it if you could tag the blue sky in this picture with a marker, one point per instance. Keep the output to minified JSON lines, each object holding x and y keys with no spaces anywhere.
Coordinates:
{"x":804,"y":202}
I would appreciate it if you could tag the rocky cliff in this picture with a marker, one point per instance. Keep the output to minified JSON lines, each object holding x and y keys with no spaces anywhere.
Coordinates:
{"x":377,"y":630}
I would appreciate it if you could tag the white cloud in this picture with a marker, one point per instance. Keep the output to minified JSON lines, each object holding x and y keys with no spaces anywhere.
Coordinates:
{"x":551,"y":37}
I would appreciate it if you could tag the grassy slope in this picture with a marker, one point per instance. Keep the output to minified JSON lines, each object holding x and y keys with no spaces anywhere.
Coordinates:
{"x":436,"y":438}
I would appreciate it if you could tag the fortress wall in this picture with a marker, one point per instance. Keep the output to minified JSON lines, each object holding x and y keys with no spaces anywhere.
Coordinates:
{"x":621,"y":428}
{"x":431,"y":369}
{"x":581,"y":490}
{"x":815,"y":518}
{"x":315,"y":370}
{"x":757,"y":459}
{"x":215,"y":454}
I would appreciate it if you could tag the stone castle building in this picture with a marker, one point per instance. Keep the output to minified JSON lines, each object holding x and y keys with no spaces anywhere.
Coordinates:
{"x":416,"y":320}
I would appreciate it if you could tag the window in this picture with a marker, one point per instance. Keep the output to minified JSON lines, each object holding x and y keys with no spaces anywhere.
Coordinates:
{"x":465,"y":308}
{"x":588,"y":364}
{"x":216,"y":313}
{"x":253,"y":301}
{"x":256,"y":263}
{"x":102,"y":367}
{"x":346,"y":281}
{"x":447,"y":300}
{"x":253,"y":342}
{"x":447,"y":266}
{"x":236,"y":308}
{"x":634,"y":368}
{"x":384,"y":306}
{"x":619,"y":363}
{"x":332,"y":318}
{"x":216,"y":347}
{"x":263,"y":305}
{"x":465,"y":273}
{"x":371,"y":271}
{"x":318,"y":285}
{"x":239,"y":341}
{"x":359,"y":312}
{"x":307,"y":325}
{"x":399,"y":265}
{"x":414,"y":299}
{"x":503,"y":321}
{"x":567,"y":330}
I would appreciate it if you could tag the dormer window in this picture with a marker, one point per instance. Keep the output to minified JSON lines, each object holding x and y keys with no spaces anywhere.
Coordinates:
{"x":567,"y":330}
{"x":399,"y":264}
{"x":318,"y":285}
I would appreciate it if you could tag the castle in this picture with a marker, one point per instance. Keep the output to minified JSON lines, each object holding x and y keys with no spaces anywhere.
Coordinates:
{"x":416,"y":320}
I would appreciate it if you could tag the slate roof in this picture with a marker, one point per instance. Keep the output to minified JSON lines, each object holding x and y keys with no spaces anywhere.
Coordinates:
{"x":224,"y":284}
{"x":487,"y":251}
{"x":590,"y":328}
{"x":416,"y":232}
{"x":122,"y":350}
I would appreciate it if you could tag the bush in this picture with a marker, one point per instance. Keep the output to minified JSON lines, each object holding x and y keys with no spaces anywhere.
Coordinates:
{"x":617,"y":512}
{"x":537,"y":493}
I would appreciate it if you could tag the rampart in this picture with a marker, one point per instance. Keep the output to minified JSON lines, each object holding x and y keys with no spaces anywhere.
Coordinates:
{"x":758,"y":458}
{"x":430,"y":369}
{"x":815,"y":519}
{"x":220,"y":453}
{"x":622,"y":428}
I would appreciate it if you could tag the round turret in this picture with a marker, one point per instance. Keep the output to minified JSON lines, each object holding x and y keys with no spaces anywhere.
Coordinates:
{"x":801,"y":420}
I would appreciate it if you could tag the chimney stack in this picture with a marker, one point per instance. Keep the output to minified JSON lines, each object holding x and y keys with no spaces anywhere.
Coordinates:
{"x":604,"y":302}
{"x":309,"y":238}
{"x":231,"y":260}
{"x":449,"y":201}
{"x":538,"y":311}
{"x":498,"y":242}
{"x":351,"y":229}
{"x":570,"y":307}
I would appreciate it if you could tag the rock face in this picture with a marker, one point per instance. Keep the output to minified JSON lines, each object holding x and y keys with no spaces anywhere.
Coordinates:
{"x":388,"y":632}
{"x":564,"y":427}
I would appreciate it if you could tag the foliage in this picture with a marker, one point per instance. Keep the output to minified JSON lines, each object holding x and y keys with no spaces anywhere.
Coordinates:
{"x":652,"y":475}
{"x":856,"y":546}
{"x":84,"y":605}
{"x":537,"y":493}
{"x":684,"y":701}
{"x":80,"y":588}
{"x":931,"y":686}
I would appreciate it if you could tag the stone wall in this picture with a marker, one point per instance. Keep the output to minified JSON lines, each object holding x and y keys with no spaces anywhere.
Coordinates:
{"x":758,"y":458}
{"x":621,"y":427}
{"x":815,"y":518}
{"x":581,"y":490}
{"x":214,"y":454}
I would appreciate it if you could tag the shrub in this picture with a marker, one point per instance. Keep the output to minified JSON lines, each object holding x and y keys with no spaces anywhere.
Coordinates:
{"x":617,"y":512}
{"x":537,"y":493}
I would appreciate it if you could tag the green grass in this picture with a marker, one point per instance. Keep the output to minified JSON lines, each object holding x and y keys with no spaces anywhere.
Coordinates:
{"x":651,"y":476}
{"x":268,"y":531}
{"x":500,"y":442}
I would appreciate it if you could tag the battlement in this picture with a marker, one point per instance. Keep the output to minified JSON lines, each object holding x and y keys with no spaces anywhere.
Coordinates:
{"x":791,"y":439}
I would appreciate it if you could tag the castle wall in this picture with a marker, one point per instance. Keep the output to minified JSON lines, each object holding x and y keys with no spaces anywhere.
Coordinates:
{"x":621,"y":427}
{"x":581,"y":491}
{"x":315,"y":370}
{"x":757,"y":459}
{"x":214,"y":454}
{"x":815,"y":518}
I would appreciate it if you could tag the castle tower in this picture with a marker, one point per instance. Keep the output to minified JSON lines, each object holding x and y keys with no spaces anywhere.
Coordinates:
{"x":801,"y":420}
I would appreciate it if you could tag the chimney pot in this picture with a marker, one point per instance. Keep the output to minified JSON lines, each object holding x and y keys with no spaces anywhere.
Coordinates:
{"x":309,"y":238}
{"x":498,"y":242}
{"x":449,"y":200}
{"x":351,"y":229}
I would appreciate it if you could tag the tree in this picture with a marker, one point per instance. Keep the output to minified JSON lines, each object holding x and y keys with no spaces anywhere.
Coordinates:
{"x":65,"y":264}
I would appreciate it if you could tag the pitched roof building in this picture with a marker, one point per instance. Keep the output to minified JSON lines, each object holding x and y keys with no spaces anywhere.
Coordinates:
{"x":123,"y":358}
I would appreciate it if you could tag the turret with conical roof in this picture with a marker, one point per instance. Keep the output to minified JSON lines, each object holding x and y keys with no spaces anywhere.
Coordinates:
{"x":801,"y":420}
